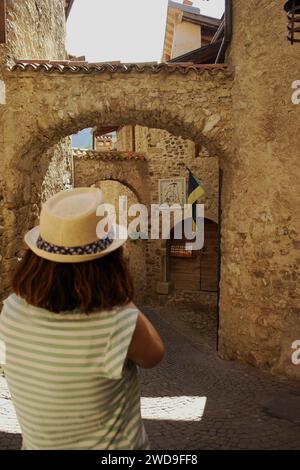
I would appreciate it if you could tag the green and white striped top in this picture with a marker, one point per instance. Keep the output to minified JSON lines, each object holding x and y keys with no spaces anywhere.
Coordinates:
{"x":70,"y":383}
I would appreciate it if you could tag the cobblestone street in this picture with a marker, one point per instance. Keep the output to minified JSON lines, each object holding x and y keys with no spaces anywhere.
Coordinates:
{"x":194,"y":400}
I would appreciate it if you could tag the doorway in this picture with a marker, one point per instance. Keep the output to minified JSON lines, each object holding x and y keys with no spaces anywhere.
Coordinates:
{"x":195,"y":270}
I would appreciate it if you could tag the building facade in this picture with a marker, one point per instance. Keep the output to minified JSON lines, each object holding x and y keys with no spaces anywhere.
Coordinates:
{"x":186,"y":29}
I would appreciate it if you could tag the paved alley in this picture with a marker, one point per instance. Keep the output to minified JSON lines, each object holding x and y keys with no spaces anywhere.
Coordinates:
{"x":194,"y":400}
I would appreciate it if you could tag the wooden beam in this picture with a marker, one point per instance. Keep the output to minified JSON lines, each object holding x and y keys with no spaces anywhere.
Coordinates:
{"x":2,"y":21}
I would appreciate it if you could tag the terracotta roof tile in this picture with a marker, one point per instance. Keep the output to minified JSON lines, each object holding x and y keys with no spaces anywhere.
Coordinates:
{"x":67,"y":66}
{"x":107,"y":155}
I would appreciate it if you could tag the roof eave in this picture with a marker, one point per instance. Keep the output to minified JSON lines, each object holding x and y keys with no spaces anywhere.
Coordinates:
{"x":204,"y":55}
{"x":202,"y":20}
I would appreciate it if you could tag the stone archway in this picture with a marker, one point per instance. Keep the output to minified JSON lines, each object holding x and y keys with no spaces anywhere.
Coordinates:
{"x":56,"y":100}
{"x":129,"y":170}
{"x":49,"y":101}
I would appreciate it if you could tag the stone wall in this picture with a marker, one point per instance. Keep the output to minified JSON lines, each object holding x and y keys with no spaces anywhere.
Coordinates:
{"x":118,"y":174}
{"x":260,"y":282}
{"x":129,"y":169}
{"x":125,"y":139}
{"x":141,"y":138}
{"x":134,"y":250}
{"x":35,"y":29}
{"x":58,"y":176}
{"x":252,"y":130}
{"x":59,"y":173}
{"x":167,"y":157}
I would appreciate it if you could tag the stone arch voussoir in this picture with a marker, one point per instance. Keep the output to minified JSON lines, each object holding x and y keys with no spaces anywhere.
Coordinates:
{"x":195,"y":105}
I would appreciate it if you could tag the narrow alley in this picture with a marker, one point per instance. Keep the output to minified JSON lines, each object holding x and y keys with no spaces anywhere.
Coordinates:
{"x":193,"y":400}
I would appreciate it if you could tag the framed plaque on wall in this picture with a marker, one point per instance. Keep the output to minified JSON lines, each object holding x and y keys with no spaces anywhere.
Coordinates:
{"x":172,"y":191}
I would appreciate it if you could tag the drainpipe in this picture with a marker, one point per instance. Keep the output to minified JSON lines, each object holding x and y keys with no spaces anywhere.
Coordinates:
{"x":227,"y":31}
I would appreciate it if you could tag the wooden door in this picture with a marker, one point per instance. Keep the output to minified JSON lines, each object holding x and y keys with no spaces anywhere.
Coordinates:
{"x":197,"y":270}
{"x":184,"y":270}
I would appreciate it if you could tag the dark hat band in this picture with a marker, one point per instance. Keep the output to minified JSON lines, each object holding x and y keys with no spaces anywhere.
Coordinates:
{"x":91,"y":248}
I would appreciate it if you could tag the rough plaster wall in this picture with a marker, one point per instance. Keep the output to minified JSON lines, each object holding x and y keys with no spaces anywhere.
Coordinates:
{"x":187,"y":38}
{"x":3,"y":53}
{"x":260,"y":286}
{"x":35,"y":29}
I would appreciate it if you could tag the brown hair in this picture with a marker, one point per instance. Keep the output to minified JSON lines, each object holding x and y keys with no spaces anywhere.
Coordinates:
{"x":102,"y":283}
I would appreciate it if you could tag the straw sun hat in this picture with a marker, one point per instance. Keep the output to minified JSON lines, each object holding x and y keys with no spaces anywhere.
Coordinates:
{"x":69,"y":230}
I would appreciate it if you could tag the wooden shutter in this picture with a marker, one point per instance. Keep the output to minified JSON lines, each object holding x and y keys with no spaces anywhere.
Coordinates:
{"x":2,"y":21}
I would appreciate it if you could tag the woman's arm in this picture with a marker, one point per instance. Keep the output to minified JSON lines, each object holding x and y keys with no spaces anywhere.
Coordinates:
{"x":146,"y":348}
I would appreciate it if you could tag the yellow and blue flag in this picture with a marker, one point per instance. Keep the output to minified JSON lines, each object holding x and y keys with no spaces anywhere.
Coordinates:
{"x":195,"y":191}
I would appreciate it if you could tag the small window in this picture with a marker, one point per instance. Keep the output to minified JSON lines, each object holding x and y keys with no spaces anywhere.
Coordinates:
{"x":2,"y":21}
{"x":178,"y":249}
